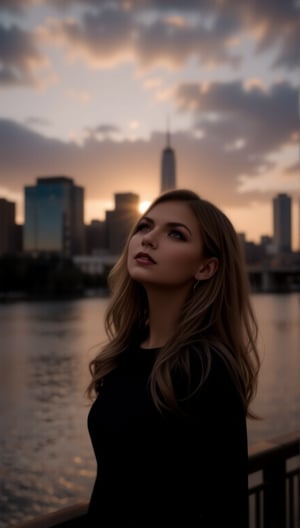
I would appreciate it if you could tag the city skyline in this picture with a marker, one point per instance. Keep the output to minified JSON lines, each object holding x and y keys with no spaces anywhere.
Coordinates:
{"x":86,"y":88}
{"x":141,"y":206}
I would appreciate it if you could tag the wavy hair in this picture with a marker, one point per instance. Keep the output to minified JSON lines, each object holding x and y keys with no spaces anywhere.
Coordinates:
{"x":217,"y":316}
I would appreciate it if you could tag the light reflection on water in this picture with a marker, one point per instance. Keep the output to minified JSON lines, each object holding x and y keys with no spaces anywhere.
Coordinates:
{"x":278,"y":397}
{"x":46,"y":456}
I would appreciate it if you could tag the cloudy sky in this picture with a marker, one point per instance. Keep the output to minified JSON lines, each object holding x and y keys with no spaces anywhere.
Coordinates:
{"x":87,"y":88}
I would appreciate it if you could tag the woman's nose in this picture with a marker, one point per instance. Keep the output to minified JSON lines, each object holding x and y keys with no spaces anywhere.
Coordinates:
{"x":149,"y":240}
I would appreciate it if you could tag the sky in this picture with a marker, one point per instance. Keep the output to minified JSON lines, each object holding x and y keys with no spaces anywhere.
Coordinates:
{"x":88,"y":89}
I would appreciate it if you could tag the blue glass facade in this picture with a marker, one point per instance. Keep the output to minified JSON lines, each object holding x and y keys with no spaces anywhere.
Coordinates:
{"x":54,"y":220}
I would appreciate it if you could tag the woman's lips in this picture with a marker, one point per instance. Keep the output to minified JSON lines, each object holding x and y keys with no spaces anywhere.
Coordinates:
{"x":144,"y":258}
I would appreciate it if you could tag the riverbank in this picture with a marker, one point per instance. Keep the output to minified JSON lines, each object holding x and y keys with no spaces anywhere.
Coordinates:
{"x":13,"y":296}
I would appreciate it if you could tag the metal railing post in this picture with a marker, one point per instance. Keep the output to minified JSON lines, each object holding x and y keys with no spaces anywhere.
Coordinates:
{"x":274,"y":494}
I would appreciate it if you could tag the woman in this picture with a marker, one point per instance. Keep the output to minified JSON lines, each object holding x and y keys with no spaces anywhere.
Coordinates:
{"x":174,"y":383}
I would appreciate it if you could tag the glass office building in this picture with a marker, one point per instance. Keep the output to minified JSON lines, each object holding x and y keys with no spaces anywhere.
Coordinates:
{"x":54,"y":217}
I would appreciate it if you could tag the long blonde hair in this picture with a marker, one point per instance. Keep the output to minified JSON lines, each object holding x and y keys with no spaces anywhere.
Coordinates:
{"x":216,"y":318}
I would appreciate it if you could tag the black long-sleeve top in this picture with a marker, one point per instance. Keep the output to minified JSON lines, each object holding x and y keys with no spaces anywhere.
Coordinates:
{"x":168,"y":469}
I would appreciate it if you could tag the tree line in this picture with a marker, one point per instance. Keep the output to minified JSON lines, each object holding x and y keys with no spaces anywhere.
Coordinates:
{"x":46,"y":276}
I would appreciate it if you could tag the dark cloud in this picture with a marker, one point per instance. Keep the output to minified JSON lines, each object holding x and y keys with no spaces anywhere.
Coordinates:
{"x":96,"y":164}
{"x":272,"y":24}
{"x":15,"y":6}
{"x":277,"y":25}
{"x":19,"y":56}
{"x":100,"y":36}
{"x":171,"y":41}
{"x":265,"y":120}
{"x":150,"y":5}
{"x":152,"y":33}
{"x":19,"y":145}
{"x":112,"y":34}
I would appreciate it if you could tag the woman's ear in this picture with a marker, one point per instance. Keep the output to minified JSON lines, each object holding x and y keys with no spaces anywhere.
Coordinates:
{"x":207,"y":269}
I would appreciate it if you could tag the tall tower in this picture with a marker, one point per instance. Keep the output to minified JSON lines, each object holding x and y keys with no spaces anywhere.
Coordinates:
{"x":168,"y":166}
{"x":282,"y":223}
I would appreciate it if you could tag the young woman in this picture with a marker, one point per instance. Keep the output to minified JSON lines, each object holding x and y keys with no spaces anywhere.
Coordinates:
{"x":174,"y":383}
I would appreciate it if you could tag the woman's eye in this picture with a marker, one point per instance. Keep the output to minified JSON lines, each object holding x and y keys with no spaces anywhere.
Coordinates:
{"x":143,"y":227}
{"x":176,"y":234}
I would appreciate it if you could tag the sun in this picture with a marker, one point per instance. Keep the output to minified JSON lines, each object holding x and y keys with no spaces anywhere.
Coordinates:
{"x":143,"y":206}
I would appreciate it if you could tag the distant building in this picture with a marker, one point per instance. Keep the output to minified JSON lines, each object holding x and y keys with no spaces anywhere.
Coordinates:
{"x":253,"y":253}
{"x":95,"y":237}
{"x":242,"y":239}
{"x":10,"y":239}
{"x":168,"y":167}
{"x":94,"y":264}
{"x":54,"y":223}
{"x":17,"y":238}
{"x":282,"y":225}
{"x":120,"y":220}
{"x":268,"y":244}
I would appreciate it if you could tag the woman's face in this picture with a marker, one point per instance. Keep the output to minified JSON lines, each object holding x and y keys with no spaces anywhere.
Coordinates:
{"x":166,"y":249}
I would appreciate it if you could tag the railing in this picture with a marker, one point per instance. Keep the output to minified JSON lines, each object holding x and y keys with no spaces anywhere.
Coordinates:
{"x":63,"y":518}
{"x":274,"y":489}
{"x":274,"y":483}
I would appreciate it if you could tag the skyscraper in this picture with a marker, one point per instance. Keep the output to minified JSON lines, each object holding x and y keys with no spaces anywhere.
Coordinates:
{"x":54,"y":217}
{"x":168,"y":167}
{"x":282,"y":223}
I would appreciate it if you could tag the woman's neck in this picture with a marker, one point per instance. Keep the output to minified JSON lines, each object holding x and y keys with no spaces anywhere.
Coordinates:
{"x":164,"y":312}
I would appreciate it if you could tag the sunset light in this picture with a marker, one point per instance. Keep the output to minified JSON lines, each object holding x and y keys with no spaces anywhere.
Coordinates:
{"x":143,"y":206}
{"x":107,"y":108}
{"x":82,"y":99}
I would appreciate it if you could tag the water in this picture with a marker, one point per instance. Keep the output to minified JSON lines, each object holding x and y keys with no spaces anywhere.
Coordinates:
{"x":47,"y":461}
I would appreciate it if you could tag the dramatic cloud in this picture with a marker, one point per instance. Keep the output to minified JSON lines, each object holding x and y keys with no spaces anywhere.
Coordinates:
{"x":110,"y":36}
{"x":27,"y":154}
{"x":152,"y":33}
{"x":274,"y":23}
{"x":224,"y":71}
{"x":16,"y":6}
{"x":264,"y":120}
{"x":19,"y":56}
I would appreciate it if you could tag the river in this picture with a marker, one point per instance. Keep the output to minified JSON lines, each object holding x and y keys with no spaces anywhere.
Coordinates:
{"x":46,"y":460}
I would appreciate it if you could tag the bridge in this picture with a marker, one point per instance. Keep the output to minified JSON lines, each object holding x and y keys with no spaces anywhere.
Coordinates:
{"x":274,"y":278}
